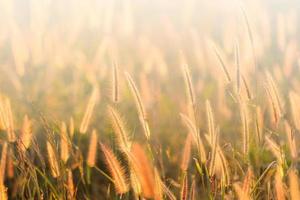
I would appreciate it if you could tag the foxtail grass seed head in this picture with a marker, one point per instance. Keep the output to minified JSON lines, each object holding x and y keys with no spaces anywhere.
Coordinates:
{"x":70,"y":185}
{"x":238,"y":70}
{"x":279,"y":184}
{"x":291,"y":141}
{"x":3,"y":121}
{"x":26,"y":134}
{"x":144,"y":170}
{"x":52,"y":159}
{"x":184,"y":188}
{"x":259,"y":123}
{"x":92,"y":153}
{"x":295,"y":108}
{"x":191,"y":99}
{"x":9,"y":120}
{"x":10,"y":164}
{"x":294,"y":184}
{"x":137,"y":97}
{"x":116,"y":170}
{"x":247,"y":88}
{"x":240,"y":193}
{"x":158,"y":191}
{"x":222,"y":62}
{"x":214,"y":146}
{"x":135,"y":183}
{"x":64,"y":143}
{"x":245,"y":127}
{"x":196,"y":136}
{"x":115,"y":81}
{"x":89,"y":111}
{"x":119,"y":129}
{"x":3,"y":192}
{"x":71,"y":127}
{"x":186,"y":153}
{"x":225,"y":168}
{"x":139,"y":104}
{"x":274,"y":98}
{"x":248,"y":181}
{"x":3,"y":163}
{"x":193,"y":190}
{"x":210,"y":121}
{"x":275,"y":149}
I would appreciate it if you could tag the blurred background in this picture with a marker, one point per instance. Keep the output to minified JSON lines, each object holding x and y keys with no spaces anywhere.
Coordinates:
{"x":53,"y":53}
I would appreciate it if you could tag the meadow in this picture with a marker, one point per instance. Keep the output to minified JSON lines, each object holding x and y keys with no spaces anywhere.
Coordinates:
{"x":138,"y":100}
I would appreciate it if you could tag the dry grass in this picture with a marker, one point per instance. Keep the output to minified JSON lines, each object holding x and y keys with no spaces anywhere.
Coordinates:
{"x":149,"y":100}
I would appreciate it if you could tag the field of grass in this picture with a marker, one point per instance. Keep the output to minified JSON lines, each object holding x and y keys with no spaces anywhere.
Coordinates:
{"x":141,"y":100}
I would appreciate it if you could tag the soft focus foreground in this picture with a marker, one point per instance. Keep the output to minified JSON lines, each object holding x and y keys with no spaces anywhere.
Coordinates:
{"x":130,"y":99}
